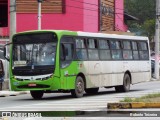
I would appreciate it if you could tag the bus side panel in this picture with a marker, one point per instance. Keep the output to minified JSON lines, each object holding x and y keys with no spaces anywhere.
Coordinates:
{"x":68,"y":76}
{"x":112,"y":73}
{"x":141,"y":71}
{"x":94,"y":70}
{"x":105,"y":73}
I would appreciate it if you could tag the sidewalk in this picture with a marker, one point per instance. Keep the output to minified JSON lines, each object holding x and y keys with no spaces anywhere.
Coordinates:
{"x":12,"y":93}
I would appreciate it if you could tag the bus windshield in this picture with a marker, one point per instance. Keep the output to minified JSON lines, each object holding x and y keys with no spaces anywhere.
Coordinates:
{"x":33,"y":54}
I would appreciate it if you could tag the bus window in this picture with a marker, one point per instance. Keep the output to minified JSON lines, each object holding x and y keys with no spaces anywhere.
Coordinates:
{"x":81,"y":54}
{"x":126,"y":45}
{"x":104,"y":51}
{"x":80,"y":43}
{"x":67,"y":51}
{"x":103,"y":44}
{"x":116,"y":54}
{"x":93,"y":49}
{"x":127,"y":52}
{"x":135,"y":50}
{"x":143,"y":50}
{"x":144,"y":55}
{"x":115,"y":44}
{"x":116,"y":50}
{"x":81,"y":50}
{"x":142,"y":45}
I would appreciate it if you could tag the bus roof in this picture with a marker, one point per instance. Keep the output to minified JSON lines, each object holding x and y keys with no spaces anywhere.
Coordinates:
{"x":89,"y":34}
{"x":104,"y":35}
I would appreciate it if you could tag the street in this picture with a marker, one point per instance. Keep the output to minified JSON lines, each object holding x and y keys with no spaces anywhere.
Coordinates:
{"x":65,"y":102}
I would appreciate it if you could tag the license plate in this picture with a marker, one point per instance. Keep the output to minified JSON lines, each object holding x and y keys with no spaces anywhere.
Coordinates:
{"x":32,"y":85}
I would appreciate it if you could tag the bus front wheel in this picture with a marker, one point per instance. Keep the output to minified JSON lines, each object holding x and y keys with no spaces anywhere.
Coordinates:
{"x":37,"y":94}
{"x":126,"y":84}
{"x":79,"y":88}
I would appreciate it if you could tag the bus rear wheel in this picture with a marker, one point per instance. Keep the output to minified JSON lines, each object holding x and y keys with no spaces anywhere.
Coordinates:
{"x":126,"y":84}
{"x":91,"y":90}
{"x":79,"y":88}
{"x":37,"y":94}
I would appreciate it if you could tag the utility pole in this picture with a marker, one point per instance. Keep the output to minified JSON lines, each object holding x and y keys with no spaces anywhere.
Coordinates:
{"x":12,"y":18}
{"x":157,"y":39}
{"x":12,"y":31}
{"x":39,"y":13}
{"x":100,"y":14}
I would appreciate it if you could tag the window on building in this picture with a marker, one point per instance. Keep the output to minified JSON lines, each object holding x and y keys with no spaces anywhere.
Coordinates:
{"x":48,"y":6}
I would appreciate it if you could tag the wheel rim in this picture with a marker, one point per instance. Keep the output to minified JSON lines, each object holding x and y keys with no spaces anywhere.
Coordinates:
{"x":80,"y":87}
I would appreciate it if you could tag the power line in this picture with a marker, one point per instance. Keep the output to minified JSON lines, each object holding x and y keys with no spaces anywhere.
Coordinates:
{"x":83,"y":8}
{"x":96,"y":4}
{"x":91,"y":9}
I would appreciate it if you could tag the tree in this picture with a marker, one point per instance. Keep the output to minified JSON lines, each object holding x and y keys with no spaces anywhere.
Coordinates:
{"x":144,"y":10}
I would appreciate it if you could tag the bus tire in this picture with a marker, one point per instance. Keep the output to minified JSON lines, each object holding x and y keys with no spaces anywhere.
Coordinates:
{"x":79,"y":88}
{"x":37,"y":94}
{"x":91,"y":90}
{"x":126,"y":84}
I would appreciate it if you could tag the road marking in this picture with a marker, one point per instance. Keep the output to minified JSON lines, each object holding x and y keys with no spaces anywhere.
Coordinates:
{"x":80,"y":103}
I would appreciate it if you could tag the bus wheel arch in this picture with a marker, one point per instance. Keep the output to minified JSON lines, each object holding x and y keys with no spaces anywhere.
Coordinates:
{"x":80,"y":84}
{"x":129,"y":73}
{"x":84,"y":78}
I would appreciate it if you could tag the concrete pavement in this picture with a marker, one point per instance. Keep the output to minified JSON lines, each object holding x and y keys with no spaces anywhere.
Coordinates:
{"x":12,"y":93}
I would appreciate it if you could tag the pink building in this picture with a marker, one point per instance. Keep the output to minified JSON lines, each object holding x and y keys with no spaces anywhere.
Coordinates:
{"x":76,"y":15}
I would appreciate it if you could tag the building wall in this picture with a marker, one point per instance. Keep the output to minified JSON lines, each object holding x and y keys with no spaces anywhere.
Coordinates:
{"x":81,"y":15}
{"x":91,"y":16}
{"x":71,"y":20}
{"x":119,"y":16}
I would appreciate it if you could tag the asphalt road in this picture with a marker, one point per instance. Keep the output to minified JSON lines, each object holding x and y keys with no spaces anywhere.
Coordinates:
{"x":65,"y":102}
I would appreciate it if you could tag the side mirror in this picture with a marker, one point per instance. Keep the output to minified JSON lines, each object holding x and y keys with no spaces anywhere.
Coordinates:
{"x":5,"y":51}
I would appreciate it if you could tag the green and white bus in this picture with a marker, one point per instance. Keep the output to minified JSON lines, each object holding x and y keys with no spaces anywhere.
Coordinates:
{"x":65,"y":61}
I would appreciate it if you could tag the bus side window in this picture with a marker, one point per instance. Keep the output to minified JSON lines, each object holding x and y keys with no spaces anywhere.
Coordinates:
{"x":67,"y":51}
{"x":81,"y":49}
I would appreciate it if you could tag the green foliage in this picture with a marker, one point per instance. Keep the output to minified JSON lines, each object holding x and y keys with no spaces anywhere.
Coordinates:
{"x":146,"y":98}
{"x":145,"y":11}
{"x":149,"y":28}
{"x":127,"y":99}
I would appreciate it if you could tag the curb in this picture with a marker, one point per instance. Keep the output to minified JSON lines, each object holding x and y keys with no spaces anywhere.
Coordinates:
{"x":12,"y":93}
{"x":134,"y":105}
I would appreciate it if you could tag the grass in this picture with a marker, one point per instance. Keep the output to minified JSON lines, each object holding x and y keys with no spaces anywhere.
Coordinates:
{"x":155,"y":97}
